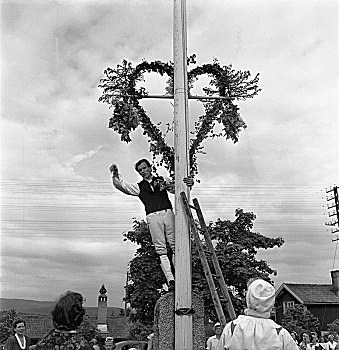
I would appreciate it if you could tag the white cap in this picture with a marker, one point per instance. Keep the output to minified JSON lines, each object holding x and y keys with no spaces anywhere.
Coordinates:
{"x":217,"y":324}
{"x":260,"y":296}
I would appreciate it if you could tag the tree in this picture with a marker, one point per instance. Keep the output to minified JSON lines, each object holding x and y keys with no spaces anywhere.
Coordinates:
{"x":146,"y":280}
{"x":299,"y":319}
{"x":88,"y":330}
{"x":6,"y":321}
{"x":122,"y":312}
{"x":120,"y":92}
{"x":333,"y":327}
{"x":236,"y":247}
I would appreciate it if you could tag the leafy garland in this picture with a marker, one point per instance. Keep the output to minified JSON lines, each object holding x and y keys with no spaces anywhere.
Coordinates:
{"x":121,"y":93}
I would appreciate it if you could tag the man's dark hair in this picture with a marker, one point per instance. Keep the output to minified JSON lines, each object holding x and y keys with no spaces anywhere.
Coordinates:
{"x":68,"y":313}
{"x":16,"y":322}
{"x":142,"y":161}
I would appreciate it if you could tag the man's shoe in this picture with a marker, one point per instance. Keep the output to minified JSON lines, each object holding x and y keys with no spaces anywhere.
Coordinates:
{"x":171,"y":286}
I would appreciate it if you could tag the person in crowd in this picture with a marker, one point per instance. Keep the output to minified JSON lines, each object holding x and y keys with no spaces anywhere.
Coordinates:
{"x":213,"y":341}
{"x":152,"y":191}
{"x":331,"y":344}
{"x":95,"y":345}
{"x":322,"y":339}
{"x":150,"y":341}
{"x":109,"y":343}
{"x":295,"y":338}
{"x":305,"y":343}
{"x":255,"y":330}
{"x":19,"y":341}
{"x":67,"y":316}
{"x":315,"y":345}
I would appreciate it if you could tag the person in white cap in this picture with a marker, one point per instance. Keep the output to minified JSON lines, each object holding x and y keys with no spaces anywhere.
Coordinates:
{"x":255,"y":330}
{"x":213,"y":341}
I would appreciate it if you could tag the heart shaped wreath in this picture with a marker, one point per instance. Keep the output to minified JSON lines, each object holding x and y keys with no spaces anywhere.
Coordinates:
{"x":121,"y":93}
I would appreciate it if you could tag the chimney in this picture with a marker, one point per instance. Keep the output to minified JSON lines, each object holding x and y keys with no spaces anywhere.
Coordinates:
{"x":102,"y":310}
{"x":335,"y":281}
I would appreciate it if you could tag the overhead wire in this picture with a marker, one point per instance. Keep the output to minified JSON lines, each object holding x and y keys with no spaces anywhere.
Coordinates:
{"x":96,"y":199}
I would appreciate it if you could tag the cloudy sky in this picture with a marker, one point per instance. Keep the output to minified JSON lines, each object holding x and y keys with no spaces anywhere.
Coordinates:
{"x":61,"y":220}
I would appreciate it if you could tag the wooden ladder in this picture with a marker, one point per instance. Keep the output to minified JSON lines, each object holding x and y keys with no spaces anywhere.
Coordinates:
{"x":202,"y":253}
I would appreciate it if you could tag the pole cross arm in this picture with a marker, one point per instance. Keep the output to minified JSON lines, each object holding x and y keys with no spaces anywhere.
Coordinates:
{"x":190,"y":97}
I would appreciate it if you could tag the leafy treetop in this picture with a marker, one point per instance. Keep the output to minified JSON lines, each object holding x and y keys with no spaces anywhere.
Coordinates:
{"x":236,"y":246}
{"x":299,"y":320}
{"x":333,"y":327}
{"x":6,"y":321}
{"x":121,"y":93}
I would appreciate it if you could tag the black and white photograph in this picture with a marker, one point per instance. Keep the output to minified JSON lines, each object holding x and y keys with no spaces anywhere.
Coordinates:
{"x":169,"y":174}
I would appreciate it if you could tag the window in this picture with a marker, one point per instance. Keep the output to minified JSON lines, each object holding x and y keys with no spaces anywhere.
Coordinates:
{"x":287,"y":305}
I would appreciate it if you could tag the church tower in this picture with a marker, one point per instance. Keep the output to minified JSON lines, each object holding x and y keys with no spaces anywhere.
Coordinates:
{"x":102,"y":310}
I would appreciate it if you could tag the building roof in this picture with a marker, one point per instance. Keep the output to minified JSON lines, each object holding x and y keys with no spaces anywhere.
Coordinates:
{"x":311,"y":293}
{"x":118,"y":327}
{"x":40,"y":325}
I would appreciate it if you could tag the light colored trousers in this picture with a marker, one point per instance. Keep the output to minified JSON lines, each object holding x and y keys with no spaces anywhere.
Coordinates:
{"x":161,"y":226}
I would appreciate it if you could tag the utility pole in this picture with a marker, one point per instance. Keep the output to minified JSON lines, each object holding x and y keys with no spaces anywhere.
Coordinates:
{"x":334,"y":198}
{"x":183,"y":273}
{"x":126,"y":291}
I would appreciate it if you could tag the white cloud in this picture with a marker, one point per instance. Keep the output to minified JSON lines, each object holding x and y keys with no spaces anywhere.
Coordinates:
{"x":56,"y":145}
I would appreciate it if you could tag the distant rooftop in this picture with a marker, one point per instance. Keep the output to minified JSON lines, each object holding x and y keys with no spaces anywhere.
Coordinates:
{"x":311,"y":293}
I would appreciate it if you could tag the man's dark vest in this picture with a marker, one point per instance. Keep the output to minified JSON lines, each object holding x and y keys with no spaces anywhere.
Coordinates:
{"x":153,"y":200}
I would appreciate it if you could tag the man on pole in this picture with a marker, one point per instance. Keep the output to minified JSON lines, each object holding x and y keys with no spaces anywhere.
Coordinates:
{"x":152,"y":191}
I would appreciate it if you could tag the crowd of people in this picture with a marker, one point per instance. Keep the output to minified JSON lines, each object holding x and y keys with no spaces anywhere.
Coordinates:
{"x":67,"y":316}
{"x":254,"y":330}
{"x":304,"y":341}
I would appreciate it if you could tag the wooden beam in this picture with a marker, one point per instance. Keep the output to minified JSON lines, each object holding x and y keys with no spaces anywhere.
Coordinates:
{"x":191,"y":97}
{"x":183,"y":269}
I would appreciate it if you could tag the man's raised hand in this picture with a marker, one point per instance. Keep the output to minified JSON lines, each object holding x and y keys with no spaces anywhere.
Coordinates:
{"x":114,"y":170}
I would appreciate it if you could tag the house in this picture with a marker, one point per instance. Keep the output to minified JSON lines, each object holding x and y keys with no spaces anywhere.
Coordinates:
{"x":322,"y":300}
{"x":117,"y":327}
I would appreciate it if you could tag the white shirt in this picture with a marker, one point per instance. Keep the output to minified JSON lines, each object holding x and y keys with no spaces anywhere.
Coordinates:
{"x":331,"y":346}
{"x":212,"y":343}
{"x":254,"y":333}
{"x":132,"y":188}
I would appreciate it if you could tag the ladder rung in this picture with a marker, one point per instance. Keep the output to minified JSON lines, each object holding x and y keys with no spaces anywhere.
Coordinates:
{"x":225,"y":300}
{"x":203,"y":251}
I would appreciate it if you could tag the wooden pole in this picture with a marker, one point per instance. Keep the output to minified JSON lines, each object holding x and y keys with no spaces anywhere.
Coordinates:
{"x":183,"y":273}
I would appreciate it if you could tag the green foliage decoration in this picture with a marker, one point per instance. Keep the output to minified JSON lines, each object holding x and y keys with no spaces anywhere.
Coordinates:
{"x":120,"y":92}
{"x":299,"y":320}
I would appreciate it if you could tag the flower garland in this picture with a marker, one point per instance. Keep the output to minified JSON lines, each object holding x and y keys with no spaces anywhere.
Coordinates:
{"x":121,"y":93}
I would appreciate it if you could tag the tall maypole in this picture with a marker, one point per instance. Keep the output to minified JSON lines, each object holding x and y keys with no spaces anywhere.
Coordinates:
{"x":183,"y":273}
